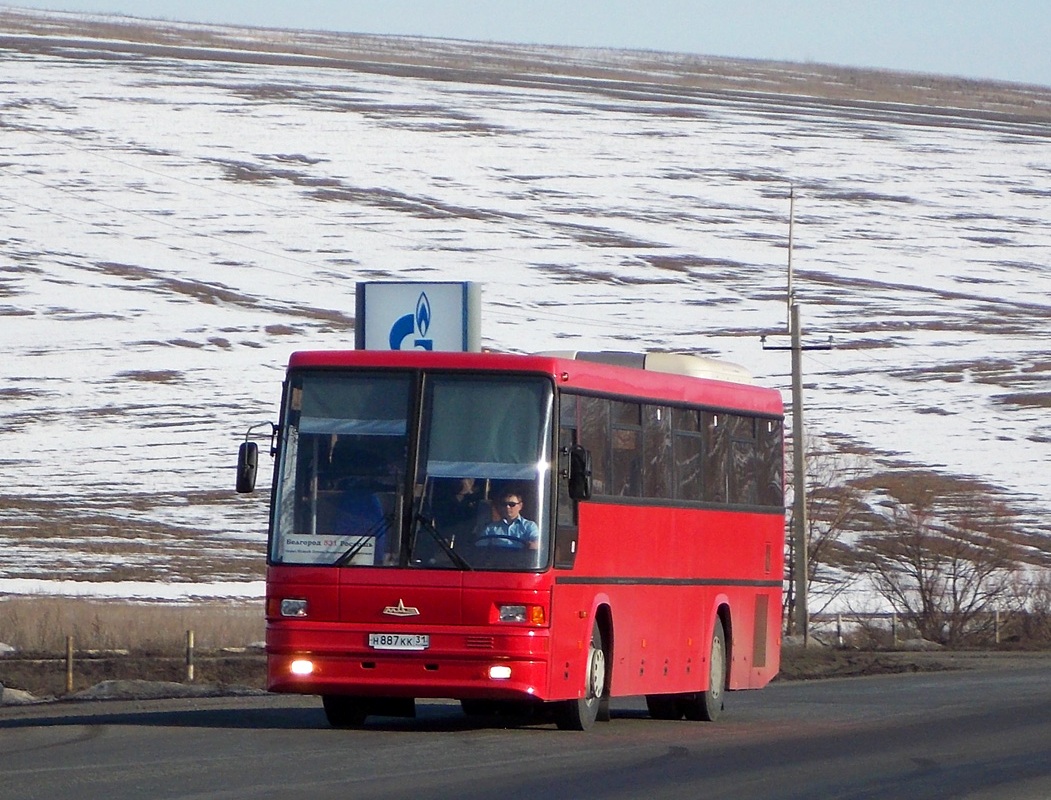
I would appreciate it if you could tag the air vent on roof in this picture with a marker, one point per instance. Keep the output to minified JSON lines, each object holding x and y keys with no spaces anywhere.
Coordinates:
{"x":675,"y":363}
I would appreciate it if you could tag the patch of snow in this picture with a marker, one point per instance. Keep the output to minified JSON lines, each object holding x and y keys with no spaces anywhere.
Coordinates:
{"x":18,"y":697}
{"x":174,"y":228}
{"x":135,"y":590}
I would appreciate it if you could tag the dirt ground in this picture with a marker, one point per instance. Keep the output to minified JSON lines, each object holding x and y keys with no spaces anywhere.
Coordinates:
{"x":814,"y":663}
{"x":46,"y":678}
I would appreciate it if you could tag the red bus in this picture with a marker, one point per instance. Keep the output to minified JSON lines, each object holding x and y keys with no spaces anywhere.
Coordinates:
{"x":522,"y":533}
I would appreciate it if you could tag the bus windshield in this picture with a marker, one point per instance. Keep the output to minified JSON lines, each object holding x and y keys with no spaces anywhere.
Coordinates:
{"x":362,"y":483}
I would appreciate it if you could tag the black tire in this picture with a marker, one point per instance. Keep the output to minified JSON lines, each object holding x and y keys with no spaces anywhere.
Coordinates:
{"x":344,"y":712}
{"x":707,"y":706}
{"x":603,"y":708}
{"x":664,"y":706}
{"x":580,"y":714}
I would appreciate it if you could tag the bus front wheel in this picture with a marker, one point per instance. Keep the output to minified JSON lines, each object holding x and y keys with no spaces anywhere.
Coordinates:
{"x":707,"y":706}
{"x":580,"y":714}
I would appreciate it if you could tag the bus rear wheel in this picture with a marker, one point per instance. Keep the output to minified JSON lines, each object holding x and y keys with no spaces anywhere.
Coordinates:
{"x":580,"y":714}
{"x":707,"y":706}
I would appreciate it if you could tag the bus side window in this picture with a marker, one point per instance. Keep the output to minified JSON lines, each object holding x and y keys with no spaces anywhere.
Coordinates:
{"x":657,"y":449}
{"x":595,"y":436}
{"x":625,"y":453}
{"x":689,"y":454}
{"x":743,"y":465}
{"x":716,"y":457}
{"x":771,"y":464}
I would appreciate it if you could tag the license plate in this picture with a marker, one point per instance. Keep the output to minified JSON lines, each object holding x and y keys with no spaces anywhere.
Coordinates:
{"x":399,"y":641}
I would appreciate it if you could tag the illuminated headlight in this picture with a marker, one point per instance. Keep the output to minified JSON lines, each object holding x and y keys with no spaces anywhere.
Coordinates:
{"x":532,"y":615}
{"x":301,"y":666}
{"x":293,"y":607}
{"x":499,"y":673}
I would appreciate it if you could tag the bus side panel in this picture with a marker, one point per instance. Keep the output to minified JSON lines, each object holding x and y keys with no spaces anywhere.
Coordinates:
{"x":660,"y":649}
{"x":666,"y":572}
{"x":652,"y":652}
{"x":766,"y":645}
{"x":573,"y":607}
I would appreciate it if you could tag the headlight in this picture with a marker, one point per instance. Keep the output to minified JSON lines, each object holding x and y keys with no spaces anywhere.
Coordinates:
{"x":293,"y":607}
{"x":523,"y":614}
{"x":499,"y":673}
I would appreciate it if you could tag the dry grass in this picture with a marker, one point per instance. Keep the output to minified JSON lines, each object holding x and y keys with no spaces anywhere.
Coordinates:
{"x":41,"y":624}
{"x":1034,"y":399}
{"x":120,"y":640}
{"x":151,"y":376}
{"x":154,"y":637}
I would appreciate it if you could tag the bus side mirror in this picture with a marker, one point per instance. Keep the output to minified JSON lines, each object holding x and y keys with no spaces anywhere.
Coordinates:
{"x":579,"y":473}
{"x":247,"y":466}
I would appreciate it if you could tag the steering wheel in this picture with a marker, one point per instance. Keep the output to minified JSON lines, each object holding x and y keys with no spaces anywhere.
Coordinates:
{"x":515,"y":541}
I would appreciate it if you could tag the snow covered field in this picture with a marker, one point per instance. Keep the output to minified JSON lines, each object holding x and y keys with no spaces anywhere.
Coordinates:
{"x":176,"y":222}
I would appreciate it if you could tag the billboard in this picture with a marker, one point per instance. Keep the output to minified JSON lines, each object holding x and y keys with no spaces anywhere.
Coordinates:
{"x":418,"y":316}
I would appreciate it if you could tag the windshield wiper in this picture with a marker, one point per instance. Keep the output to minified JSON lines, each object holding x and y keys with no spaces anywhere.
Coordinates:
{"x":378,"y":529}
{"x":455,"y":557}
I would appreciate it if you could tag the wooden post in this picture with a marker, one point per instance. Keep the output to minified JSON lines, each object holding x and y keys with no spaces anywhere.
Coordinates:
{"x":996,"y":626}
{"x":189,"y":656}
{"x":69,"y":665}
{"x":799,"y":511}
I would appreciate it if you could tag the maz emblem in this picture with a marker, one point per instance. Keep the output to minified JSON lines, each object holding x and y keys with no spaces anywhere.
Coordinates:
{"x":401,"y":610}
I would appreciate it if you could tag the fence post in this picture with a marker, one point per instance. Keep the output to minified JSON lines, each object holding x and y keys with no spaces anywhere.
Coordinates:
{"x":69,"y":665}
{"x":894,"y":628}
{"x":189,"y":656}
{"x":996,"y":626}
{"x":839,"y":630}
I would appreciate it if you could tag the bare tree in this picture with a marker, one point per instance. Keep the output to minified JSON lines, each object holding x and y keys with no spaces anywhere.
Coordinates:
{"x":1029,"y":620}
{"x":943,"y":575}
{"x":835,"y":506}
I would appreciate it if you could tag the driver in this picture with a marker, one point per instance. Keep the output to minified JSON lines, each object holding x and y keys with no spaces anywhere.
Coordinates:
{"x":512,"y":529}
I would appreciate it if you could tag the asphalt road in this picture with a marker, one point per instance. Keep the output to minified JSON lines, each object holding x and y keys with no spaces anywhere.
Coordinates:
{"x":975,"y":734}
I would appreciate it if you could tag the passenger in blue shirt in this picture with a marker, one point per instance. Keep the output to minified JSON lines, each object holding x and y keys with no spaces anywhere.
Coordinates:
{"x":361,"y":524}
{"x":512,"y":530}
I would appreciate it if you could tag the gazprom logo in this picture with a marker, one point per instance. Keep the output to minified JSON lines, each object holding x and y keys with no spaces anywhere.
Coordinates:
{"x":423,"y":315}
{"x":415,"y":325}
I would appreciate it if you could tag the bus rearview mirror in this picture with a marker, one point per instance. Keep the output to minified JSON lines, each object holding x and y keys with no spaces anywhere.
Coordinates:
{"x":247,"y":466}
{"x":579,"y":473}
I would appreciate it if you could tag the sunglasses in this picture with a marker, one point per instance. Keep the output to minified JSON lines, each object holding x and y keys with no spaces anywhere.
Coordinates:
{"x":512,"y":505}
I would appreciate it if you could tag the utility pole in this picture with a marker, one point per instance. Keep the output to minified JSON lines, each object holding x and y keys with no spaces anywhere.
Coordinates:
{"x":800,"y":615}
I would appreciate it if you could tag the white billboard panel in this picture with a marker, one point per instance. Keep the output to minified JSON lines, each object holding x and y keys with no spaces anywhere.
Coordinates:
{"x":418,"y":316}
